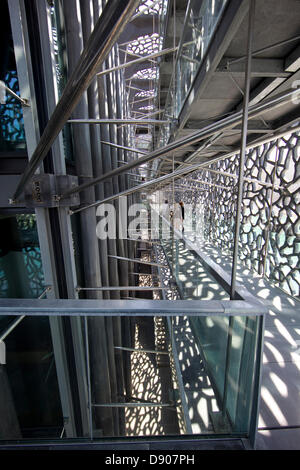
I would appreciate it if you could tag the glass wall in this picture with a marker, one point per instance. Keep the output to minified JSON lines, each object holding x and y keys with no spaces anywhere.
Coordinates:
{"x":28,"y":381}
{"x":60,"y":54}
{"x":228,"y":345}
{"x":200,"y":24}
{"x":12,"y":135}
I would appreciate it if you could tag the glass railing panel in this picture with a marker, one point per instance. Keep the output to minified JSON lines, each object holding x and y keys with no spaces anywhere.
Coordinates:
{"x":238,"y":343}
{"x":230,"y":364}
{"x":173,"y":372}
{"x":212,"y":333}
{"x":242,"y":367}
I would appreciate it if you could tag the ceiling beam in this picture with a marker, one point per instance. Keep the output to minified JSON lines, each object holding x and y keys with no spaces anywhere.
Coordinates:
{"x":261,"y":67}
{"x":256,"y":125}
{"x":269,"y":86}
{"x":140,"y":60}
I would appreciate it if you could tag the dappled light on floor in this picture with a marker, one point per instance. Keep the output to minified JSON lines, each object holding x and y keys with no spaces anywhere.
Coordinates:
{"x":200,"y":394}
{"x":280,"y":391}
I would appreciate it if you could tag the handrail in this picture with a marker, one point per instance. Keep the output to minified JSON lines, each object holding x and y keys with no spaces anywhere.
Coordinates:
{"x":129,"y":308}
{"x":18,"y":320}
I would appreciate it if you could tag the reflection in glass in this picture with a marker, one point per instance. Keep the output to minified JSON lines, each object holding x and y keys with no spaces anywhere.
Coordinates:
{"x":21,"y":274}
{"x":200,"y":24}
{"x":196,"y":348}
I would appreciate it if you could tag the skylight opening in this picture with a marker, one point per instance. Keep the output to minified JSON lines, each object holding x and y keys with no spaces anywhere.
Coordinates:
{"x":145,"y":94}
{"x":146,"y":74}
{"x":147,"y":108}
{"x":150,"y":7}
{"x":145,"y":45}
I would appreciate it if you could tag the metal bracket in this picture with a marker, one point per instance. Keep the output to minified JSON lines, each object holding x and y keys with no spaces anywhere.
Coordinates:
{"x":2,"y":353}
{"x":174,"y":396}
{"x":43,"y":190}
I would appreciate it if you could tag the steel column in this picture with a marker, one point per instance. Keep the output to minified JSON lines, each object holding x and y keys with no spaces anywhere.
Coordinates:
{"x":90,"y":249}
{"x":108,"y":159}
{"x":243,"y":148}
{"x":251,"y":21}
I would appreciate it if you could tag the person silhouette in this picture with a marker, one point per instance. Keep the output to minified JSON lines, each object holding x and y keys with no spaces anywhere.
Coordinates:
{"x":182,"y":214}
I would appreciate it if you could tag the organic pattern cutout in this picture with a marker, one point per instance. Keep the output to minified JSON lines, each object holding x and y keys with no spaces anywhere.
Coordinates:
{"x":270,"y":227}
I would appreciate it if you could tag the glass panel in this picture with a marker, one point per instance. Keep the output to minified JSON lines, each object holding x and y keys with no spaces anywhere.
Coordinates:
{"x":226,"y":347}
{"x":166,"y":378}
{"x":230,"y":364}
{"x":199,"y":28}
{"x":12,"y":135}
{"x":21,"y":273}
{"x":241,"y":370}
{"x":200,"y":24}
{"x":28,"y":379}
{"x":34,"y":409}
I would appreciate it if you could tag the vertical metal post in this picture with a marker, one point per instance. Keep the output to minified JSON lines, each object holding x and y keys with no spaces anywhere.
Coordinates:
{"x":254,"y":417}
{"x":112,"y":87}
{"x":239,"y":196}
{"x":88,"y":371}
{"x":121,"y":208}
{"x":112,"y":264}
{"x":92,"y":271}
{"x":243,"y":148}
{"x":96,"y":98}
